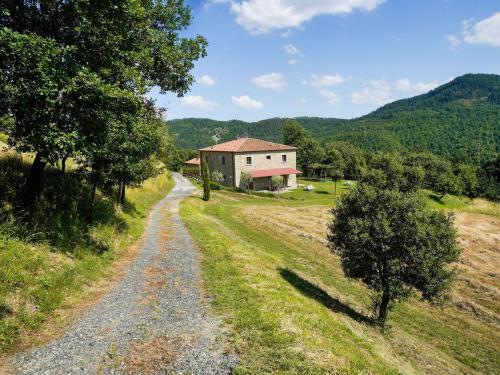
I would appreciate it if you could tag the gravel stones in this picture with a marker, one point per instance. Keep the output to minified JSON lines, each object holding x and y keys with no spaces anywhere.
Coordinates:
{"x":156,"y":320}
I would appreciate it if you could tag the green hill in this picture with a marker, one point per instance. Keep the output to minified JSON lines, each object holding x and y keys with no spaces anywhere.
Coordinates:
{"x":458,"y":119}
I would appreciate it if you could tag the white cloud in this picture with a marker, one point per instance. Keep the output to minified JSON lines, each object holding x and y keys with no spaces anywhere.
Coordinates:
{"x":206,"y":80}
{"x":423,"y":87}
{"x":198,"y":102}
{"x":376,"y":92}
{"x":302,"y":101}
{"x":286,"y":34}
{"x":292,"y":50}
{"x":486,"y":31}
{"x":382,"y":92}
{"x":271,"y":81}
{"x":453,"y":41}
{"x":404,"y":85}
{"x":330,"y":96}
{"x":325,"y":80}
{"x":246,"y":102}
{"x":263,"y":16}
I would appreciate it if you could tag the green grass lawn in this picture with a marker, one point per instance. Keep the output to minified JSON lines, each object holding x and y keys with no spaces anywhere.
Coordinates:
{"x":290,"y":310}
{"x":461,"y":204}
{"x":324,"y":194}
{"x":38,"y":277}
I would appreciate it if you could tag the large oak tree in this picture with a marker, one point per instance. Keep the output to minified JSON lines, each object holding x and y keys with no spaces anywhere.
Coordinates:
{"x":63,"y":63}
{"x":395,"y":245}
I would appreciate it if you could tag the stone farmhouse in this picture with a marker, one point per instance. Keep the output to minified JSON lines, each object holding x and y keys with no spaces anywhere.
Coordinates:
{"x":262,"y":159}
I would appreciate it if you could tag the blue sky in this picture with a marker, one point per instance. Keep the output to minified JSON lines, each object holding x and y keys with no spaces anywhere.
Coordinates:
{"x":331,"y":58}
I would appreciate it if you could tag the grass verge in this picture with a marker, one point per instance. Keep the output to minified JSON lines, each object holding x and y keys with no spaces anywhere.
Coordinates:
{"x":39,"y":276}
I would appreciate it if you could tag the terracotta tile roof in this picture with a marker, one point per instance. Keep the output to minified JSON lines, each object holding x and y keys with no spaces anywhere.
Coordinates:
{"x":194,"y":161}
{"x":248,"y":145}
{"x":274,"y":172}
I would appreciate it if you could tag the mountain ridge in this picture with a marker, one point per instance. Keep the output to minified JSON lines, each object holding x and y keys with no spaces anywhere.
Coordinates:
{"x":460,"y":119}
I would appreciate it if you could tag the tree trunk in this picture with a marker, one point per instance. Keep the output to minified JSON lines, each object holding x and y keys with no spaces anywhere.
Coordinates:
{"x":92,"y":198}
{"x":63,"y":165}
{"x":119,"y":194}
{"x":122,"y":195}
{"x":335,"y":186}
{"x":33,"y":186}
{"x":384,"y":305}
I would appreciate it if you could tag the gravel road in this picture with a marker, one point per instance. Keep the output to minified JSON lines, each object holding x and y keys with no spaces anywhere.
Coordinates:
{"x":156,"y":320}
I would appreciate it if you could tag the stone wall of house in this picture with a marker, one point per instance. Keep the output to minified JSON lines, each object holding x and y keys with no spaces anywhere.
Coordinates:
{"x":292,"y":181}
{"x":260,"y":161}
{"x":222,"y":162}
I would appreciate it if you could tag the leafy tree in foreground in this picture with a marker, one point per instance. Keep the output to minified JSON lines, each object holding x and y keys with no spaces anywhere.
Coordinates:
{"x":205,"y":176}
{"x":52,"y":52}
{"x":395,"y":245}
{"x":135,"y":148}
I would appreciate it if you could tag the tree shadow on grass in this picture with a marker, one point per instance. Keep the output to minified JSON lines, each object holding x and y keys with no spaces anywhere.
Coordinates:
{"x":322,"y":192}
{"x":314,"y":292}
{"x":436,"y":199}
{"x":131,"y":210}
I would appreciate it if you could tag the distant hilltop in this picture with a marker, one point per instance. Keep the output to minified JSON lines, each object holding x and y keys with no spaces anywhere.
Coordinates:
{"x":458,"y":119}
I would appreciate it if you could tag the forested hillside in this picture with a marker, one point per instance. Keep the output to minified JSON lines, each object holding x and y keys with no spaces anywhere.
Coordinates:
{"x":460,"y":119}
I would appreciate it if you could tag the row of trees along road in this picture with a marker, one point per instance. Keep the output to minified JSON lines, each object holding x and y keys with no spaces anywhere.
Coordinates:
{"x":338,"y":160}
{"x":73,"y":80}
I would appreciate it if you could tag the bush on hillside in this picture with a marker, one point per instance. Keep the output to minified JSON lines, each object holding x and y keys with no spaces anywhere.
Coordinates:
{"x":215,"y":186}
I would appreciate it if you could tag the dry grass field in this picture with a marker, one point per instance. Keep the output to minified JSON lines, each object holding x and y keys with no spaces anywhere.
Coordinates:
{"x":477,"y":289}
{"x":292,"y":311}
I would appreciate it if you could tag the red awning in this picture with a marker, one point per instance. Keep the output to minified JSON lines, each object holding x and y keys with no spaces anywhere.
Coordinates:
{"x":274,"y":172}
